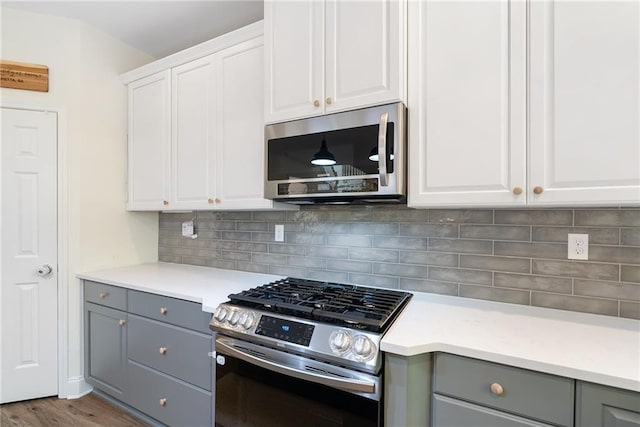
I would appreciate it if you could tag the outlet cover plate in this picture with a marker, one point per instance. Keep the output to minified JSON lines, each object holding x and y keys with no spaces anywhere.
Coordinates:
{"x":578,"y":246}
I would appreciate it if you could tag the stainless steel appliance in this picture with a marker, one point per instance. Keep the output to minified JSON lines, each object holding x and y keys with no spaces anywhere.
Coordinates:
{"x":301,"y":352}
{"x":335,"y":158}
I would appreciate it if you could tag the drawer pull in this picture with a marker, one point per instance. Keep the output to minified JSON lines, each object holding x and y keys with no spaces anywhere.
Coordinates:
{"x":538,"y":190}
{"x":517,"y":191}
{"x":163,"y":350}
{"x":121,"y":322}
{"x":316,"y":103}
{"x":497,"y":389}
{"x":163,"y":310}
{"x":163,"y":401}
{"x":103,"y":295}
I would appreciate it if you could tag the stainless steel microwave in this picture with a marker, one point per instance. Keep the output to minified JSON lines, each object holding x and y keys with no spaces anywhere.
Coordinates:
{"x":336,"y":158}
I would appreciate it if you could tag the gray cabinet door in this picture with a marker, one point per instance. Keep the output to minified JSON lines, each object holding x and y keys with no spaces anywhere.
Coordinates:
{"x":600,"y":406}
{"x":106,"y":349}
{"x":449,"y":412}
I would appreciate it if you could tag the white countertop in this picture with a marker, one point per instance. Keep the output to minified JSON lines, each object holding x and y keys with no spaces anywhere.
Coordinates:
{"x":595,"y":348}
{"x":599,"y":349}
{"x":205,"y":285}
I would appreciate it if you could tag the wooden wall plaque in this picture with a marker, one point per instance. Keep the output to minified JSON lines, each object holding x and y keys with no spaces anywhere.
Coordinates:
{"x":20,"y":75}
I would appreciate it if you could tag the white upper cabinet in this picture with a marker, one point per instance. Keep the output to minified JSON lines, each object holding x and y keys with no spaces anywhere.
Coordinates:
{"x":585,"y":102}
{"x":240,"y":158}
{"x":467,"y":103}
{"x":196,"y":129}
{"x":149,"y":145}
{"x":193,"y":148}
{"x":517,"y":103}
{"x":329,"y":56}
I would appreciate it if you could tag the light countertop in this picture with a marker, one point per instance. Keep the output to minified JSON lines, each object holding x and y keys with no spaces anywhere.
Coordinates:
{"x":205,"y":285}
{"x":588,"y":347}
{"x":599,"y":349}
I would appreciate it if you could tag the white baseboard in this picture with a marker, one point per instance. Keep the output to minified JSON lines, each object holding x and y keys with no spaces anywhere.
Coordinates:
{"x":77,"y":387}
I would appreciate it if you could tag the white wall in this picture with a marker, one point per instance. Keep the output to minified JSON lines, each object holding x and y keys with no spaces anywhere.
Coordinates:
{"x":84,"y":66}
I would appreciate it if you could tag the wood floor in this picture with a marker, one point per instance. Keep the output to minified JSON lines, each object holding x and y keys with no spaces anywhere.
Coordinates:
{"x":89,"y":410}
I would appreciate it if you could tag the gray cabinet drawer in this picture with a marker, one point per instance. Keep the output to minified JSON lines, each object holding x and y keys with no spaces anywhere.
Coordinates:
{"x":166,"y":399}
{"x":601,"y":406}
{"x":527,"y":393}
{"x":170,"y":349}
{"x":171,"y":310}
{"x":448,"y":412}
{"x":110,"y":296}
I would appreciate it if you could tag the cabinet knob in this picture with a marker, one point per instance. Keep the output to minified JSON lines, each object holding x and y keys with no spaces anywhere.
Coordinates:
{"x":121,"y":322}
{"x":517,"y":191}
{"x":163,"y":350}
{"x":103,"y":295}
{"x":538,"y":190}
{"x":217,"y":200}
{"x":163,"y":401}
{"x":316,"y":103}
{"x":210,"y":201}
{"x":165,"y":202}
{"x":163,"y":310}
{"x":329,"y":100}
{"x":497,"y":389}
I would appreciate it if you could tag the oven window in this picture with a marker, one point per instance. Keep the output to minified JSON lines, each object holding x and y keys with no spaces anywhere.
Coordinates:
{"x":247,"y":395}
{"x":290,"y":158}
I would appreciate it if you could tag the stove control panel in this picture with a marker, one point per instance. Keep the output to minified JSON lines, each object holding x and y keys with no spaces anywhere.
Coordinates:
{"x":347,"y":346}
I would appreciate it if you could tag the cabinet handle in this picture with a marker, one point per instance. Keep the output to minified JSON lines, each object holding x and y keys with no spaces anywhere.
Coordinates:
{"x":497,"y":389}
{"x":165,"y":202}
{"x":163,"y":350}
{"x":329,"y":100}
{"x":121,"y":322}
{"x":103,"y":295}
{"x":217,"y":200}
{"x":538,"y":190}
{"x":316,"y":103}
{"x":517,"y":191}
{"x":163,"y":401}
{"x":210,"y":201}
{"x":163,"y":310}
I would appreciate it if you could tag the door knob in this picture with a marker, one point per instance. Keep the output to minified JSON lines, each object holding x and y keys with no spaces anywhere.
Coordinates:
{"x":44,"y":270}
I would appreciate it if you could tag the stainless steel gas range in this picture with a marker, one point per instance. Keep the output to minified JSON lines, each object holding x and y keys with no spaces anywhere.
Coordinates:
{"x":296,"y":351}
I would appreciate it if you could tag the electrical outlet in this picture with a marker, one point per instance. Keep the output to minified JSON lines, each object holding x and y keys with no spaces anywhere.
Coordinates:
{"x":187,"y":228}
{"x":279,"y":237}
{"x":578,"y":247}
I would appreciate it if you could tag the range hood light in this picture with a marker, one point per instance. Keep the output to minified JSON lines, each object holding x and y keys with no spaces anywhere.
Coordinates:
{"x":323,"y":157}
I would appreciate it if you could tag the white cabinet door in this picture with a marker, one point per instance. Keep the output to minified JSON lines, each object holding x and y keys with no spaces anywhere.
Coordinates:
{"x":467,"y":103}
{"x":240,"y":128}
{"x":585,"y":102}
{"x":193,"y":135}
{"x":149,"y":148}
{"x":294,"y":73}
{"x":364,"y":53}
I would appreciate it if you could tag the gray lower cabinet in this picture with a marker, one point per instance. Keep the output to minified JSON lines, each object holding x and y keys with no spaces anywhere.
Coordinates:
{"x":106,"y":349}
{"x":471,"y":392}
{"x":150,"y":352}
{"x":600,"y":406}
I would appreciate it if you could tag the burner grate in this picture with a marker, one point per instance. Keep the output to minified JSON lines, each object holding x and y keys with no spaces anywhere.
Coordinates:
{"x":354,"y":306}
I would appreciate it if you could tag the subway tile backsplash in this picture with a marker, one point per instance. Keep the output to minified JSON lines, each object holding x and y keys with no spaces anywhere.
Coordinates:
{"x":517,"y":256}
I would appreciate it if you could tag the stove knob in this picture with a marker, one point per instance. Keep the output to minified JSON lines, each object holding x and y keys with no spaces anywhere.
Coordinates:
{"x":363,"y":348}
{"x":247,"y":319}
{"x":221,"y":314}
{"x":340,"y":341}
{"x":234,"y":317}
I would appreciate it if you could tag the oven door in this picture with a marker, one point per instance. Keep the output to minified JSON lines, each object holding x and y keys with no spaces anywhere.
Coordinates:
{"x":260,"y":386}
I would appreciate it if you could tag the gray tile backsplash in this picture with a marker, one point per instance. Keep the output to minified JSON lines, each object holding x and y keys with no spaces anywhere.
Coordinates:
{"x":510,"y":255}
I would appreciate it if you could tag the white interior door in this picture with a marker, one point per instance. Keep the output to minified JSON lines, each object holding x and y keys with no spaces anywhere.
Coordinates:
{"x":28,"y":231}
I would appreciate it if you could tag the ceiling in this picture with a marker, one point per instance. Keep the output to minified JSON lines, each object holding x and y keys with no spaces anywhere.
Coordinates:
{"x":158,"y":28}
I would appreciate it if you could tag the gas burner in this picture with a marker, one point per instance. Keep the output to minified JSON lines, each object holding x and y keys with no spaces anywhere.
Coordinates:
{"x":357,"y":307}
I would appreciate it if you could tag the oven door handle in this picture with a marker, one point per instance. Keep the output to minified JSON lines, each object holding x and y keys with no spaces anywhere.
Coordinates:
{"x":347,"y":384}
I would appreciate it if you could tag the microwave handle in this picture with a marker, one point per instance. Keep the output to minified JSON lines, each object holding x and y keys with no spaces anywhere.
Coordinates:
{"x":382,"y":150}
